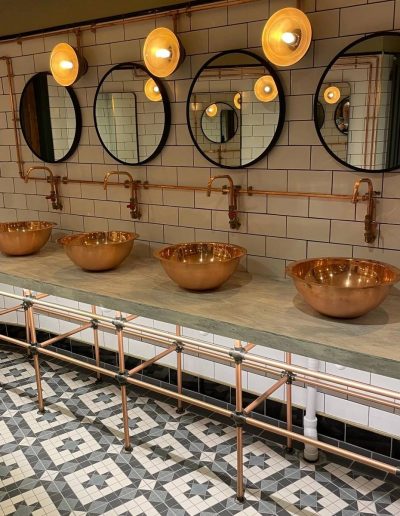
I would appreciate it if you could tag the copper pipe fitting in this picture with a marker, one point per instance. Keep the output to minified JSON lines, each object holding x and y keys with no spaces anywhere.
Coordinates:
{"x":370,"y":224}
{"x":54,"y":181}
{"x":233,"y":191}
{"x":134,"y":199}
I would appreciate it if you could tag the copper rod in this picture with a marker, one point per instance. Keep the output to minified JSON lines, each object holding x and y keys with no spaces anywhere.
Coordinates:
{"x":124,"y":397}
{"x":14,"y":341}
{"x":179,"y":383}
{"x":239,"y":427}
{"x":11,"y":309}
{"x":188,"y":9}
{"x":249,"y":346}
{"x":145,"y":364}
{"x":65,"y":335}
{"x":96,"y":342}
{"x":36,"y":364}
{"x":265,"y":395}
{"x":77,"y":362}
{"x":289,"y":411}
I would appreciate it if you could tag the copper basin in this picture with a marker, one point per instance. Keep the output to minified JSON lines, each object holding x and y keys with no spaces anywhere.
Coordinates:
{"x":343,"y":287}
{"x":23,"y":238}
{"x":200,"y":265}
{"x":99,"y":251}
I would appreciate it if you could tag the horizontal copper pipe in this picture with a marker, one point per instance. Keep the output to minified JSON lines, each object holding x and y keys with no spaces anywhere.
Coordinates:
{"x":147,"y":363}
{"x":11,"y":309}
{"x":65,"y":335}
{"x":14,"y":341}
{"x":265,"y":395}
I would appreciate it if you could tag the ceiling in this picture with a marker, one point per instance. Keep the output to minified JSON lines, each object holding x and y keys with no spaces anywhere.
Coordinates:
{"x":26,"y":16}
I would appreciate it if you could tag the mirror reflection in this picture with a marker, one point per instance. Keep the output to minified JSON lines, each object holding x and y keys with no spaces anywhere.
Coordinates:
{"x":235,"y":109}
{"x":131,"y":114}
{"x":50,"y":118}
{"x":359,"y":92}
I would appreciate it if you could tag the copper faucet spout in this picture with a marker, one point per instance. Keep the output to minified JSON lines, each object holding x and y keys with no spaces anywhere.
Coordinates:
{"x":370,"y":224}
{"x":54,"y":196}
{"x":233,"y":197}
{"x":116,"y":173}
{"x":39,"y":167}
{"x":133,"y":201}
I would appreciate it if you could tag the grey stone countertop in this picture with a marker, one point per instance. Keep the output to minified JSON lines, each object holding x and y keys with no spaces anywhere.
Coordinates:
{"x":248,"y":307}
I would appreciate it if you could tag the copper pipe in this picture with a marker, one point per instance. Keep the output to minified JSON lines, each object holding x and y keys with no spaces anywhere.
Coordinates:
{"x":11,"y":309}
{"x":265,"y":395}
{"x":370,"y":224}
{"x":13,"y":102}
{"x":147,"y":363}
{"x":186,"y":10}
{"x":36,"y":364}
{"x":232,"y":189}
{"x":179,"y":408}
{"x":239,"y":427}
{"x":65,"y":335}
{"x":249,"y":346}
{"x":289,"y":411}
{"x":17,"y":342}
{"x":124,"y":397}
{"x":54,"y":196}
{"x":133,"y":202}
{"x":96,"y":341}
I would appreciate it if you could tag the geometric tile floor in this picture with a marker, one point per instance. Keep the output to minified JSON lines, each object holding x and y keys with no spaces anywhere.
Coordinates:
{"x":70,"y":460}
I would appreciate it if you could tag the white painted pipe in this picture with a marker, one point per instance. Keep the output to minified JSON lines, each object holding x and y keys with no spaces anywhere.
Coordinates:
{"x":310,"y":418}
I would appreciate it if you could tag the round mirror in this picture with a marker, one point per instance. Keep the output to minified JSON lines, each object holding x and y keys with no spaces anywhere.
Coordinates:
{"x":235,"y":109}
{"x":219,"y":122}
{"x":50,"y":118}
{"x":359,"y":91}
{"x":131,"y":114}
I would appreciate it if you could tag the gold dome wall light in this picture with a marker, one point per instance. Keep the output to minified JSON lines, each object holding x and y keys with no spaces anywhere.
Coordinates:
{"x":67,"y":65}
{"x":331,"y":94}
{"x":152,"y":91}
{"x":286,"y":36}
{"x":212,"y":110}
{"x":237,"y":100}
{"x":162,"y":52}
{"x":265,"y":88}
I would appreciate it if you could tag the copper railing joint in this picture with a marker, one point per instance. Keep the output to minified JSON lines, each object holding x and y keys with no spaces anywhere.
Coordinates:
{"x":33,"y":348}
{"x":26,"y":305}
{"x":178,"y":346}
{"x":290,"y":377}
{"x":95,"y":324}
{"x":238,"y":355}
{"x":119,"y":323}
{"x":121,"y":378}
{"x":239,"y":418}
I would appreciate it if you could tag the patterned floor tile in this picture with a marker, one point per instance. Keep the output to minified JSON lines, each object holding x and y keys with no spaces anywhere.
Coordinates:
{"x":70,"y":461}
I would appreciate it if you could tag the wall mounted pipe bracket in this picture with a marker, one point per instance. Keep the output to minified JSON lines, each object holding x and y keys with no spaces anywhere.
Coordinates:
{"x":54,"y":181}
{"x":134,"y":198}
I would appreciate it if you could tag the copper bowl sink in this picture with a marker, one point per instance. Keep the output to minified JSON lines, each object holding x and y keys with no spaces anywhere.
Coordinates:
{"x":200,"y":265}
{"x":343,"y":287}
{"x":99,"y":251}
{"x":23,"y":238}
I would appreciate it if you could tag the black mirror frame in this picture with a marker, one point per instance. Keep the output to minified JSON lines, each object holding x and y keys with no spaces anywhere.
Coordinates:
{"x":166,"y":104}
{"x":204,"y":114}
{"x":321,"y":81}
{"x":282,"y":106}
{"x":78,"y":118}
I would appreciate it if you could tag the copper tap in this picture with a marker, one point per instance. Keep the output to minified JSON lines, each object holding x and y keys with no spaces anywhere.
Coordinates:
{"x":232,"y":189}
{"x":134,"y":200}
{"x":54,"y":181}
{"x":370,"y":224}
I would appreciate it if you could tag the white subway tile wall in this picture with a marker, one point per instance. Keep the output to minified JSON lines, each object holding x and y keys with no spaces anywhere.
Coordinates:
{"x":276,"y":230}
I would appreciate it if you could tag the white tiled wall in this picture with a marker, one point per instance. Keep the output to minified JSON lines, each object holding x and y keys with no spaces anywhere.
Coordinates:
{"x":275,"y":230}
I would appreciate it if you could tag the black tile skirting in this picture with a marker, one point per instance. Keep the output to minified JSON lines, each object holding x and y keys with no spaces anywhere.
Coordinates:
{"x":335,"y":432}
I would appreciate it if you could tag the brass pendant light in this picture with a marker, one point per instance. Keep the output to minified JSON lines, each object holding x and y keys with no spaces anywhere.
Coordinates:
{"x":152,"y":91}
{"x":331,"y":94}
{"x":286,"y":36}
{"x":162,"y":52}
{"x":265,"y":89}
{"x":212,"y":110}
{"x":67,"y":65}
{"x":237,"y":100}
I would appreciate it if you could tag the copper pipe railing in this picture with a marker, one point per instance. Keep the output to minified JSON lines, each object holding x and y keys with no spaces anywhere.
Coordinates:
{"x":53,"y":340}
{"x":239,"y":355}
{"x":151,"y":361}
{"x":254,"y":404}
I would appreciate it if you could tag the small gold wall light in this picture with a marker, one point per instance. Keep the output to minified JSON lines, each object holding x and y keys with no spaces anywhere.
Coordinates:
{"x":265,"y":89}
{"x":331,"y":94}
{"x":152,"y":91}
{"x":286,"y":36}
{"x":212,"y":110}
{"x":67,"y":65}
{"x":237,"y":100}
{"x":162,"y":52}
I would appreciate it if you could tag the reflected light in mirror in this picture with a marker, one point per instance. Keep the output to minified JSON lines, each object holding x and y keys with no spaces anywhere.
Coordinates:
{"x":332,"y":95}
{"x":237,"y":100}
{"x":152,"y":91}
{"x":162,"y":52}
{"x":212,"y":110}
{"x":265,"y":89}
{"x":286,"y":36}
{"x":66,"y":64}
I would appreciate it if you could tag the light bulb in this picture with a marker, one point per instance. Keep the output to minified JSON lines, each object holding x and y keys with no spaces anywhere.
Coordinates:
{"x":290,"y":38}
{"x":66,"y":65}
{"x":156,"y":89}
{"x":164,"y":53}
{"x":267,"y":89}
{"x":330,"y":95}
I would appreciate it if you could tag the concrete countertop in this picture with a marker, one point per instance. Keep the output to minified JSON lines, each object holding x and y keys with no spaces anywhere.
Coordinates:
{"x":248,"y":307}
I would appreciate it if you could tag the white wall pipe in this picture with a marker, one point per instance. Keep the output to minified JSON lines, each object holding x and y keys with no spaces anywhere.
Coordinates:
{"x":310,"y":418}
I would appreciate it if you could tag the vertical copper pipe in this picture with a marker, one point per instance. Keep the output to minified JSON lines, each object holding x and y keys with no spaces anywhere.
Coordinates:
{"x":180,"y":409}
{"x":289,"y":412}
{"x":124,"y":397}
{"x":36,"y":364}
{"x":96,"y":343}
{"x":28,"y":333}
{"x":239,"y":427}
